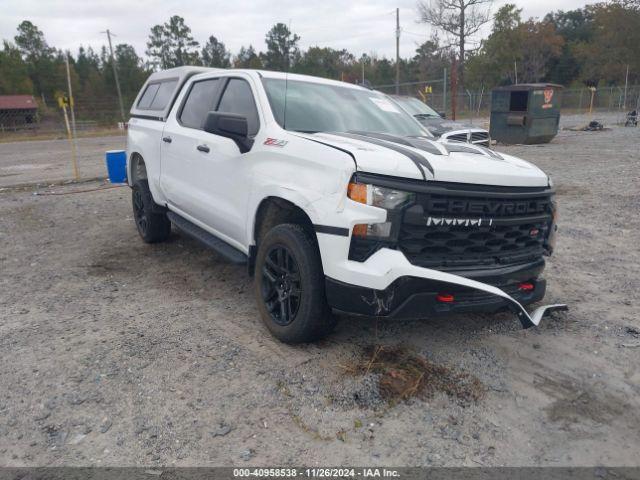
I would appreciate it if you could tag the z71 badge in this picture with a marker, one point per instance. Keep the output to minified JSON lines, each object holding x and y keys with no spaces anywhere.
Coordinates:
{"x":274,"y":142}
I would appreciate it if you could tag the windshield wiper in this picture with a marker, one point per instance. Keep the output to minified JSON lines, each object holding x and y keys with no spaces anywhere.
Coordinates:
{"x":425,"y":115}
{"x":305,"y":131}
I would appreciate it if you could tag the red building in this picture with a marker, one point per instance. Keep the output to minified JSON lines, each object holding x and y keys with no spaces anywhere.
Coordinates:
{"x":17,"y":111}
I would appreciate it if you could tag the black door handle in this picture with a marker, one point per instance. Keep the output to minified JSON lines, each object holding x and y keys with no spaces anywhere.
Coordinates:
{"x":166,"y":139}
{"x":203,"y":148}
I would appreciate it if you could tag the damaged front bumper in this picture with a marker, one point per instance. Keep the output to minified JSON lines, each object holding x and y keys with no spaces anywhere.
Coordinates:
{"x":416,"y":292}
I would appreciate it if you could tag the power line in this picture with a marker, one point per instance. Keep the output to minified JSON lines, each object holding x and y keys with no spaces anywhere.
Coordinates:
{"x":414,"y":33}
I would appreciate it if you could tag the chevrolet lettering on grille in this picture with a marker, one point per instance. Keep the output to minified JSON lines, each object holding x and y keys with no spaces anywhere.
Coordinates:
{"x":487,"y":207}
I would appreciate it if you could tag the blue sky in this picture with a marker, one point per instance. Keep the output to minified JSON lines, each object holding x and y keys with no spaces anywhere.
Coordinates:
{"x":361,"y":26}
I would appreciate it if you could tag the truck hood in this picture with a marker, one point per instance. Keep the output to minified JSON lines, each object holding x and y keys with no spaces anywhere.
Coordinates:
{"x":424,"y":159}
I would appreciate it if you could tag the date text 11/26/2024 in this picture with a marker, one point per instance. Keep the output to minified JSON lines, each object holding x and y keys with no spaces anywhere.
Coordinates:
{"x":316,"y":472}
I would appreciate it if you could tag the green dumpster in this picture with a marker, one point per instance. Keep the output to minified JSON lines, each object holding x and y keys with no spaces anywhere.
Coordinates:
{"x":526,"y":113}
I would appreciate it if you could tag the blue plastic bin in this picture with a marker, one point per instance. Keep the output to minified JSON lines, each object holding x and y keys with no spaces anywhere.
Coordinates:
{"x":117,"y":166}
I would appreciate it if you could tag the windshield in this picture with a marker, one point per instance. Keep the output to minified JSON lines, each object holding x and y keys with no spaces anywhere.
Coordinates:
{"x":316,"y":107}
{"x":416,"y":107}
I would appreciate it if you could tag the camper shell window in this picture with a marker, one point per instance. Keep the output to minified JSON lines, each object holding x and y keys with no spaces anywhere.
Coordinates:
{"x":157,"y":95}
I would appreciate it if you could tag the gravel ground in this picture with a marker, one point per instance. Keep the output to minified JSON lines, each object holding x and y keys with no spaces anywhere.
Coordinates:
{"x":50,"y":160}
{"x":114,"y":352}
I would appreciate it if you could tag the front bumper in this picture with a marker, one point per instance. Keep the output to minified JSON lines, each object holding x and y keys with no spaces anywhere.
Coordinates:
{"x":387,"y":285}
{"x":411,"y":297}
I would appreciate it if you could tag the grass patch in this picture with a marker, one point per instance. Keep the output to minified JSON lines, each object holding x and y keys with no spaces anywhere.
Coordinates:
{"x":403,"y":374}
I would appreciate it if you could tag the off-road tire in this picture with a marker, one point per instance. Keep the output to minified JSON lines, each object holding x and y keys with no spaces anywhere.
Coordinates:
{"x":151,"y":221}
{"x":312,"y":318}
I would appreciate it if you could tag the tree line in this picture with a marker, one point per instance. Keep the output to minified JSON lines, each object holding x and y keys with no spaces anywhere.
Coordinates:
{"x":586,"y":46}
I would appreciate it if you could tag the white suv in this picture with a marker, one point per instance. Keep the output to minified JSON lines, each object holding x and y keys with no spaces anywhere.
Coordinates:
{"x":335,"y":199}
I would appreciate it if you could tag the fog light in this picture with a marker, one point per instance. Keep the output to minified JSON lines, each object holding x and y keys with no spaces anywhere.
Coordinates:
{"x":377,"y":230}
{"x":360,"y":230}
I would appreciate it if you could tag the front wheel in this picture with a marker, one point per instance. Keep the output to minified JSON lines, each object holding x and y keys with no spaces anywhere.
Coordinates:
{"x":289,"y":286}
{"x":153,"y":226}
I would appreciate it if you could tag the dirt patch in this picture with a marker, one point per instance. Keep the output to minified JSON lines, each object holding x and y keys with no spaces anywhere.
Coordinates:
{"x":576,"y":190}
{"x":580,"y":407}
{"x":576,"y":404}
{"x":403,"y":374}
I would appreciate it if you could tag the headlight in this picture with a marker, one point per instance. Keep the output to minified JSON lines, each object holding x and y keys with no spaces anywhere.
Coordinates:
{"x":388,"y":198}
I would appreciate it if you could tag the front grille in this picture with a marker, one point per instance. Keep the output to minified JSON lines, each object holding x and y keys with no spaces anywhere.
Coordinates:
{"x":477,"y":138}
{"x":481,"y":138}
{"x":458,"y":137}
{"x":494,"y":229}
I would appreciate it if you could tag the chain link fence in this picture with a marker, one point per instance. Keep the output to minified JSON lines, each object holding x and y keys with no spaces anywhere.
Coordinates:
{"x":100,"y":116}
{"x":477,"y":104}
{"x":99,"y":126}
{"x":42,"y":142}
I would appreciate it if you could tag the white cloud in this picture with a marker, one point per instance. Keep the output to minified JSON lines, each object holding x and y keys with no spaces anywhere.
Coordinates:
{"x":359,"y":26}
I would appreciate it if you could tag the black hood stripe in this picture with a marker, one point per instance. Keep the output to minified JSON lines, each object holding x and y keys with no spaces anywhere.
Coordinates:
{"x":415,"y":142}
{"x":418,"y":160}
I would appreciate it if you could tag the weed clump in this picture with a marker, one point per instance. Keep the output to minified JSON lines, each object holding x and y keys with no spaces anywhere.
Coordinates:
{"x":402,"y":374}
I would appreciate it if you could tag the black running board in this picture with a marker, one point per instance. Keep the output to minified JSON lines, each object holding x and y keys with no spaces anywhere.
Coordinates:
{"x":232,"y":254}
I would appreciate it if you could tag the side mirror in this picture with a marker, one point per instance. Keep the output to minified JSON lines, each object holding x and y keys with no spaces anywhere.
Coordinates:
{"x":443,"y":114}
{"x":230,"y":125}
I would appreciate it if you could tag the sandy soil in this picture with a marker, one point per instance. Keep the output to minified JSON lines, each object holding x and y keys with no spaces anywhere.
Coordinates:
{"x":113,"y":352}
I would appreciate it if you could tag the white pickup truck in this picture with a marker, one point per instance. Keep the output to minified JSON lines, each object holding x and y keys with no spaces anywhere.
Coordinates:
{"x":336,"y":199}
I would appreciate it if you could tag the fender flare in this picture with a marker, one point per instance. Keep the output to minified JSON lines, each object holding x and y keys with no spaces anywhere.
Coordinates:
{"x":294,"y":197}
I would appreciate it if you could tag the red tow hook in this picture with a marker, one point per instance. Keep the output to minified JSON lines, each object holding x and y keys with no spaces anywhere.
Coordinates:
{"x":445,"y":298}
{"x":526,"y":287}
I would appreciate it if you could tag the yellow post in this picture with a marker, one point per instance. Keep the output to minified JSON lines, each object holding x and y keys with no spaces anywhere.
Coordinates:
{"x":593,"y":93}
{"x":62,"y":102}
{"x":427,"y":90}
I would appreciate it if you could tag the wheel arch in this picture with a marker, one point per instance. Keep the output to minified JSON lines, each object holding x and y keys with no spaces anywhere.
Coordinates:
{"x":137,"y":168}
{"x":275,"y":210}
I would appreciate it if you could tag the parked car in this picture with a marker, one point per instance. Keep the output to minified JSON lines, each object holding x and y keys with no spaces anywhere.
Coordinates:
{"x":335,"y":200}
{"x":439,"y":126}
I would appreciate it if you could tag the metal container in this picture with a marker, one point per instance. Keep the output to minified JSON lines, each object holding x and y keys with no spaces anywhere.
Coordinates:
{"x":525,"y":113}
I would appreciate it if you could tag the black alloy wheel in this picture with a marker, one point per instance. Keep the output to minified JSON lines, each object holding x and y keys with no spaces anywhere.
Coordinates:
{"x":139,"y":213}
{"x":281,"y":286}
{"x":151,"y":220}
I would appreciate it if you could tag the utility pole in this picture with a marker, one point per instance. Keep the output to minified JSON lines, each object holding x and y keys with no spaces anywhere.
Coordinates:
{"x":626,"y":82}
{"x":71,"y":132}
{"x":71,"y":103}
{"x":444,"y":92}
{"x":115,"y":74}
{"x":454,"y":87}
{"x":397,"y":51}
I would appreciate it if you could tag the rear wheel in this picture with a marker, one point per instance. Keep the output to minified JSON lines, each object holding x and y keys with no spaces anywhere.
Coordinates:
{"x":290,"y":286}
{"x":152,"y":223}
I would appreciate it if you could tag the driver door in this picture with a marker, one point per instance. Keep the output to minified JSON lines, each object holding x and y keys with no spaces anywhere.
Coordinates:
{"x":209,"y":175}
